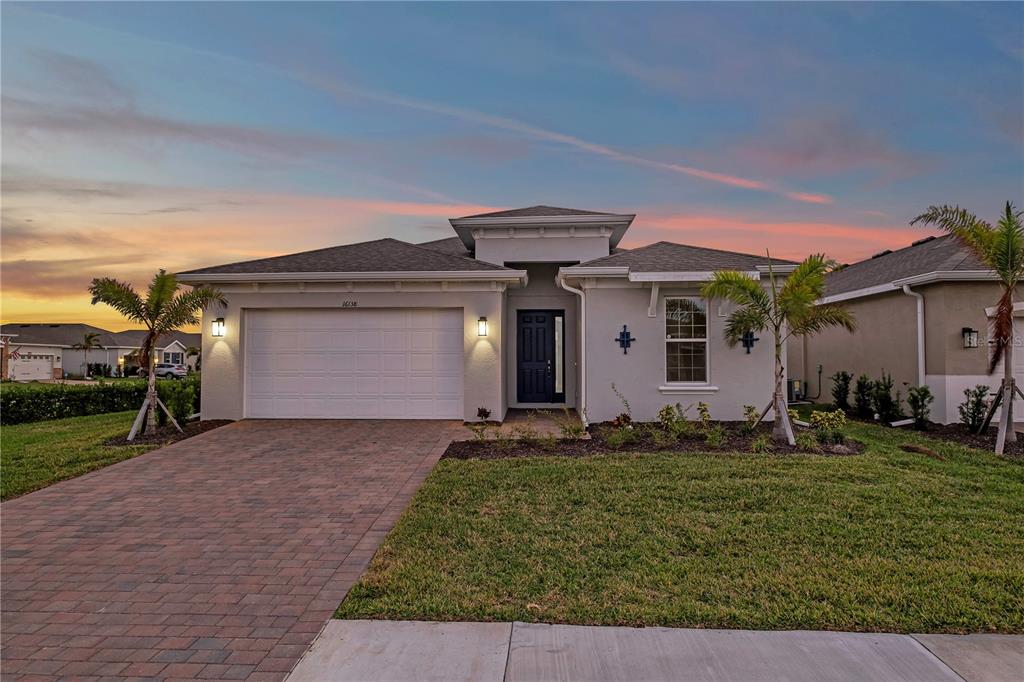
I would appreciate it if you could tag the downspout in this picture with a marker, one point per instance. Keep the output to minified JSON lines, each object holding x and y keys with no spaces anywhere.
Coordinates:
{"x":583,"y":346}
{"x":920,"y":332}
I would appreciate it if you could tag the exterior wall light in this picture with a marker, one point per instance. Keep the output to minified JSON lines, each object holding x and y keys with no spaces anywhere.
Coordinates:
{"x":481,"y":327}
{"x":970,"y":337}
{"x":217,"y":329}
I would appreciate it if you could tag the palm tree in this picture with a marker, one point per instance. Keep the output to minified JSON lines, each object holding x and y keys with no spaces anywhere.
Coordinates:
{"x":786,"y":310}
{"x":89,"y":341}
{"x":193,"y":352}
{"x":163,"y":310}
{"x":1001,"y":248}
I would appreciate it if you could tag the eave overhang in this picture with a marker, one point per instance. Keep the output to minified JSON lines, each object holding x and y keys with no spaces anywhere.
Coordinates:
{"x":507,"y":275}
{"x":617,"y":225}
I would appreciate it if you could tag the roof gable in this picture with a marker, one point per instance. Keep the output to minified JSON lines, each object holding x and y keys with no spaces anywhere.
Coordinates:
{"x":380,"y":255}
{"x":534,"y":212}
{"x":671,"y":257}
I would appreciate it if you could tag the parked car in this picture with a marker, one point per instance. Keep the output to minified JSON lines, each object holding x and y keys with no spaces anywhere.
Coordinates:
{"x":166,"y":370}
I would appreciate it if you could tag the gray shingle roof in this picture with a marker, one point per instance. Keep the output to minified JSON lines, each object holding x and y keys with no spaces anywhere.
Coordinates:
{"x":671,"y":257}
{"x":68,"y":334}
{"x":535,"y":212}
{"x":941,"y":253}
{"x":452,"y":245}
{"x":381,"y":255}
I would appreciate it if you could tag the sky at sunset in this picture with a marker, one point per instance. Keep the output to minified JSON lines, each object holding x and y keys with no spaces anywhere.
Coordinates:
{"x":145,"y":136}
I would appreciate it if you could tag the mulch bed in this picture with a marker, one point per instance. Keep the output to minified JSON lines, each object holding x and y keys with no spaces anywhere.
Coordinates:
{"x":735,"y":441}
{"x":956,"y":433}
{"x":165,"y":435}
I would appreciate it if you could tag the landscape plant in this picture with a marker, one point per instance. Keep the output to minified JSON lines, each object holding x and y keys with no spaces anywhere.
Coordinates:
{"x":761,"y":445}
{"x":163,"y":309}
{"x":829,"y":426}
{"x":752,"y":417}
{"x":90,"y":341}
{"x":919,"y":399}
{"x":1001,"y":248}
{"x":863,"y":392}
{"x":884,"y":402}
{"x":569,"y":426}
{"x":972,"y":409}
{"x":786,"y":310}
{"x":841,"y":389}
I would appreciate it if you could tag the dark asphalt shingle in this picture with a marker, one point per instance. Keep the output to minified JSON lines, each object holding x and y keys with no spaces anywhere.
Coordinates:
{"x":381,"y":255}
{"x":942,"y":253}
{"x":671,"y":257}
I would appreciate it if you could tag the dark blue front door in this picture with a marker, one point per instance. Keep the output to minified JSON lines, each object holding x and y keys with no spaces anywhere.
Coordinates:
{"x":535,"y":355}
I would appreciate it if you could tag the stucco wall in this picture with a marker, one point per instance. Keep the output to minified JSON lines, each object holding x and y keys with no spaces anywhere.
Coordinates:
{"x":524,"y":249}
{"x":223,"y":370}
{"x":542,"y":294}
{"x":741,"y":379}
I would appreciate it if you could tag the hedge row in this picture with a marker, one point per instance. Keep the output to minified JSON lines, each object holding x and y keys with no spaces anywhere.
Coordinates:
{"x":22,"y":403}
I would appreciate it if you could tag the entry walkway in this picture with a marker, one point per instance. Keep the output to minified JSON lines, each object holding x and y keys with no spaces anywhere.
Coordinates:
{"x":525,"y":652}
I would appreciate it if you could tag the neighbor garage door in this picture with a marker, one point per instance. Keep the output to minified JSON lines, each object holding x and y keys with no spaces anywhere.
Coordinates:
{"x":354,"y":363}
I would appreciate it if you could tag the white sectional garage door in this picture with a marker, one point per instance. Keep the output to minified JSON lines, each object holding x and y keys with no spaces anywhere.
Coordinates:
{"x":354,"y":364}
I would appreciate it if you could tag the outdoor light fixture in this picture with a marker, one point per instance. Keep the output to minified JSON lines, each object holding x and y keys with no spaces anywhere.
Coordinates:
{"x":970,"y":337}
{"x":218,"y":327}
{"x":481,"y":327}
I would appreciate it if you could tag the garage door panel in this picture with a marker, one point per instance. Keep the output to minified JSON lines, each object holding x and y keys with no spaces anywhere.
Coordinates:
{"x":362,"y":363}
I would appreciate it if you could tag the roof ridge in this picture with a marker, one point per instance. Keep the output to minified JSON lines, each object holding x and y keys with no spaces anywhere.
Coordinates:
{"x":931,"y":243}
{"x":286,"y":255}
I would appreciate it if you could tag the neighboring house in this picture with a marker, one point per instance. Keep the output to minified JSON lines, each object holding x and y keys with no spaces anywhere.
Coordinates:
{"x":41,"y":351}
{"x":529,"y":308}
{"x":921,"y":316}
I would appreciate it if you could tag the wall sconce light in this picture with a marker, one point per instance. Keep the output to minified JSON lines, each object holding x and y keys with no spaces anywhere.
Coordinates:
{"x":970,"y":337}
{"x":481,"y":327}
{"x":217,"y":329}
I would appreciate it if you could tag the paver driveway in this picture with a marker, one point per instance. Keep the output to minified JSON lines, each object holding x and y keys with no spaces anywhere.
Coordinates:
{"x":221,"y":556}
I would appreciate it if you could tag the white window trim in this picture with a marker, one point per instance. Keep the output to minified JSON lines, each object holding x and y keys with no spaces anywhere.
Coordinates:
{"x":688,"y":386}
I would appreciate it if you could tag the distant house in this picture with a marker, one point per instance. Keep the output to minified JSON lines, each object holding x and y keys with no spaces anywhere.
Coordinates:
{"x":923,"y":316}
{"x":39,"y":351}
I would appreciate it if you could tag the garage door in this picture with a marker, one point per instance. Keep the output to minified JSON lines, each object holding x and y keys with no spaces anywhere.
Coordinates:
{"x":30,"y":367}
{"x":354,"y":364}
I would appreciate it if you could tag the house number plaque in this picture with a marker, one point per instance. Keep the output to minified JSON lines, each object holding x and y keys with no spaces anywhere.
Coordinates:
{"x":350,"y":304}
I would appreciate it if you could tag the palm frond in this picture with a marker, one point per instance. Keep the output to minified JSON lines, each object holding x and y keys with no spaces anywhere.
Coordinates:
{"x":822,"y":317}
{"x":966,"y":228}
{"x":805,"y":285}
{"x":161,"y":292}
{"x":1001,"y":329}
{"x":1007,"y":257}
{"x":743,"y":320}
{"x":121,"y":297}
{"x":736,"y":287}
{"x":185,"y":308}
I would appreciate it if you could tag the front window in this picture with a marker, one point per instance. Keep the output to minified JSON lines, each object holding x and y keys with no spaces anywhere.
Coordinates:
{"x":686,"y":340}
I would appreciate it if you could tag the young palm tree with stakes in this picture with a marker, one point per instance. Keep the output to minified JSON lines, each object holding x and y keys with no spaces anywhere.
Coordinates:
{"x":786,"y":310}
{"x":1001,"y":248}
{"x":89,"y":341}
{"x":162,"y":310}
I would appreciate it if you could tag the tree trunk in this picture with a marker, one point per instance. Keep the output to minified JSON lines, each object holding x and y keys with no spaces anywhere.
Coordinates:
{"x":1007,"y":434}
{"x":86,"y":353}
{"x":782,"y":428}
{"x":151,"y":397}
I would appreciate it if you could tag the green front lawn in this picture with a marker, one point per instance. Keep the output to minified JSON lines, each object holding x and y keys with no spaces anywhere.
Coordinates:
{"x":35,"y":455}
{"x":885,"y":540}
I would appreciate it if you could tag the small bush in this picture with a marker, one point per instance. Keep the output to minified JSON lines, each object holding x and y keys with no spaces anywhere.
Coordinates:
{"x":714,"y":436}
{"x":886,"y":405}
{"x":179,"y":397}
{"x":673,"y":421}
{"x":753,"y":418}
{"x":570,"y":427}
{"x":828,"y":426}
{"x":807,"y":442}
{"x":841,"y":389}
{"x":483,"y":414}
{"x":479,"y":430}
{"x":621,"y":437}
{"x":528,"y":431}
{"x":920,"y":398}
{"x":704,"y":416}
{"x":762,"y":444}
{"x":973,"y":409}
{"x":863,"y":391}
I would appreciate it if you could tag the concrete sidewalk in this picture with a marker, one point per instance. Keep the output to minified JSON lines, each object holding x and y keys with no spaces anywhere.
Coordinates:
{"x":485,"y":652}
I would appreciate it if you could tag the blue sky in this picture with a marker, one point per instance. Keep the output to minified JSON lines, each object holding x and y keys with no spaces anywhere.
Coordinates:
{"x":140,"y":135}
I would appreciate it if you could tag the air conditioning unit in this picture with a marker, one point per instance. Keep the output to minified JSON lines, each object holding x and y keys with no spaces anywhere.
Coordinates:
{"x":795,"y":390}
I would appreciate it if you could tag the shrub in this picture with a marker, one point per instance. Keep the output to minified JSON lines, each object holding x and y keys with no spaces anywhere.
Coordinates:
{"x":22,"y":403}
{"x":920,"y":398}
{"x":627,"y":412}
{"x":179,"y":397}
{"x":762,"y":444}
{"x":807,"y":442}
{"x":973,"y":409}
{"x":841,"y":389}
{"x":714,"y":436}
{"x":828,"y":426}
{"x":479,"y":430}
{"x":704,"y":415}
{"x":862,"y":395}
{"x":883,"y":402}
{"x":621,"y":437}
{"x":528,"y":431}
{"x":483,"y":414}
{"x":673,"y":421}
{"x":753,"y":418}
{"x":663,"y":438}
{"x":98,"y":369}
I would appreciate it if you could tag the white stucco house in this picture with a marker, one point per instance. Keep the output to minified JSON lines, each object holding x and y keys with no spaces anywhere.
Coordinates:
{"x":527,"y":308}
